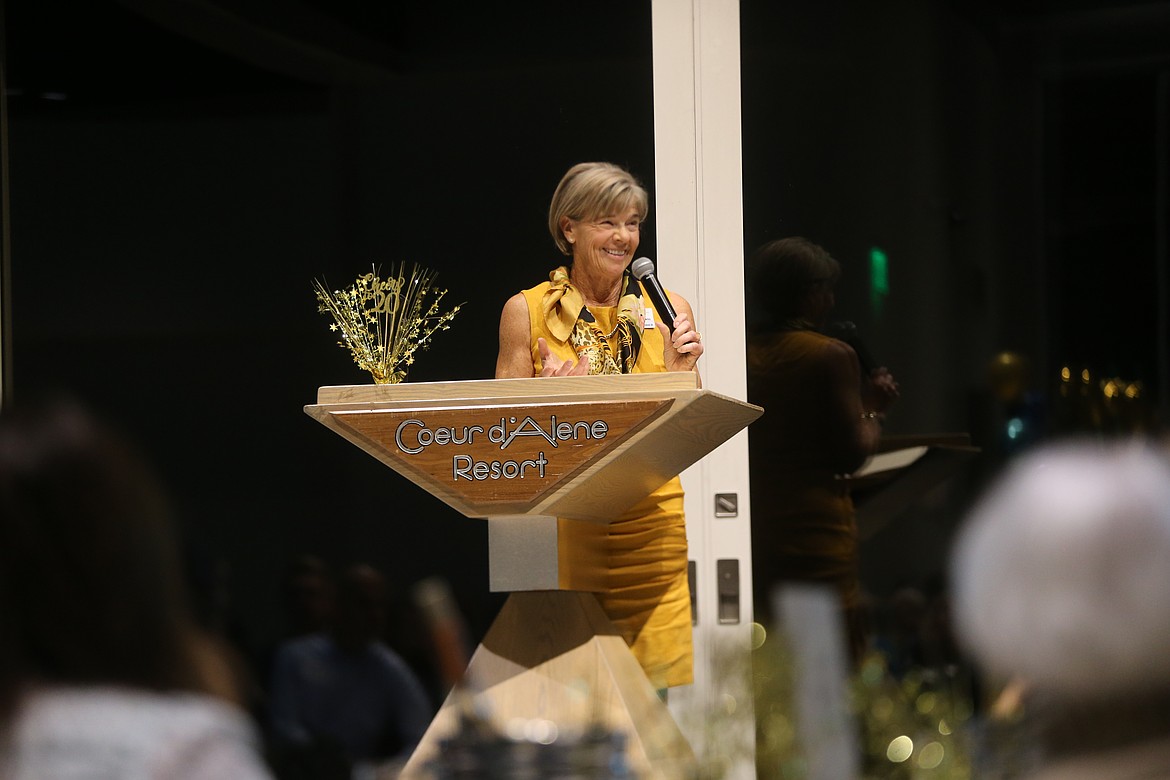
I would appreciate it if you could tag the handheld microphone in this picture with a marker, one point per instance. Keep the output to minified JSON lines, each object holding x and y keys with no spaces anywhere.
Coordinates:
{"x":847,"y":332}
{"x":643,"y":271}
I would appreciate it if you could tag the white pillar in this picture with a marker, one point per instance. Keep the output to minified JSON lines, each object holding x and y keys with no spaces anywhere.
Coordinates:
{"x":699,"y":212}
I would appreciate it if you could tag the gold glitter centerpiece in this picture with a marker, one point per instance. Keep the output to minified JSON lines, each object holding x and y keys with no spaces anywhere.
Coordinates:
{"x":383,"y":322}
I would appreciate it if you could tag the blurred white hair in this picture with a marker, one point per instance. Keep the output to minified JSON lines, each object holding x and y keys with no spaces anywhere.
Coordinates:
{"x":1061,"y":574}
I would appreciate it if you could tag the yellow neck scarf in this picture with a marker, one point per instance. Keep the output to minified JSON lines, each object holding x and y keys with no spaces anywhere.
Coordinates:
{"x":569,"y":319}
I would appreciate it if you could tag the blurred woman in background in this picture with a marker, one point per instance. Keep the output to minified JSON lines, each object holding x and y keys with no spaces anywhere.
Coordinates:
{"x":823,"y":418}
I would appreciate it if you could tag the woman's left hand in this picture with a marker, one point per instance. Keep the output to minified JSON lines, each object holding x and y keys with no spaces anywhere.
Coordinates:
{"x":684,"y":344}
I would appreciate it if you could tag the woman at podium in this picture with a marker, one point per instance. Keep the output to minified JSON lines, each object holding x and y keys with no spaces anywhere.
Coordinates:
{"x":591,"y":317}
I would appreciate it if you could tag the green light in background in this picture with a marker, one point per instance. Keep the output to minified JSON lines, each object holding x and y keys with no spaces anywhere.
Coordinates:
{"x":879,"y":279}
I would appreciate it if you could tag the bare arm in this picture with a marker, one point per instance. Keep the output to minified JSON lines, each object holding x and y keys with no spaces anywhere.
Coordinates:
{"x":515,"y":358}
{"x":684,"y":345}
{"x":855,"y":434}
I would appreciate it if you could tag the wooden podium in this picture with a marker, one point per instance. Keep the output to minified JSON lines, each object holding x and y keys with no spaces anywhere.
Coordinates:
{"x":548,"y":463}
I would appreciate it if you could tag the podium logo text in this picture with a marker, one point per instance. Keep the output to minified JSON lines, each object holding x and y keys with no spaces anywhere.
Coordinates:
{"x":413,"y":436}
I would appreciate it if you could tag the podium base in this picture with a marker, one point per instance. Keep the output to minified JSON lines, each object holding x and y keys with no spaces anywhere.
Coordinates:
{"x":555,"y":656}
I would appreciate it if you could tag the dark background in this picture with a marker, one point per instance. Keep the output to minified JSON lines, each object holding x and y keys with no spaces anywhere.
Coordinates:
{"x":180,"y":172}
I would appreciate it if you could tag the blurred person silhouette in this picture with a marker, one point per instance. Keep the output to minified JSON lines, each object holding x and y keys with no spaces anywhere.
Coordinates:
{"x":409,"y":634}
{"x":447,"y":632}
{"x":343,"y":694}
{"x":208,"y":584}
{"x":309,"y":595}
{"x":822,"y":418}
{"x":105,"y":671}
{"x":1061,"y":585}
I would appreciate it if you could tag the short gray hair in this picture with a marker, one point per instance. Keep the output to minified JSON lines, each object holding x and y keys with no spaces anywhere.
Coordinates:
{"x":594,"y":189}
{"x":1061,"y":572}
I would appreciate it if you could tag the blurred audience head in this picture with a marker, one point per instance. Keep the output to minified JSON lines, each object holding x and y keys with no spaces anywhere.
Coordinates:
{"x":309,"y":596}
{"x":362,"y":604}
{"x":1061,"y":573}
{"x":91,"y":583}
{"x":794,"y":277}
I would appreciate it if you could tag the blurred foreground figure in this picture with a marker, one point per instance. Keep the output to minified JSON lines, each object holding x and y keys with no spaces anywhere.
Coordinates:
{"x":1062,"y":586}
{"x":103,"y":671}
{"x":342,"y":697}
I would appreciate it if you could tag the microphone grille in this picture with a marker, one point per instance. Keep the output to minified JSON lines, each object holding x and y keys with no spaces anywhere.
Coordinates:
{"x":642,"y":267}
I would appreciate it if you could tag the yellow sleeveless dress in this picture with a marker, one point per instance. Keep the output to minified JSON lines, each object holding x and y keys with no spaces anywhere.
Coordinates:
{"x":648,"y":599}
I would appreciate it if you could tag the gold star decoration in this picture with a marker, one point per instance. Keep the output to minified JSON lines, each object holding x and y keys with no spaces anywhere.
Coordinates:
{"x":383,"y":322}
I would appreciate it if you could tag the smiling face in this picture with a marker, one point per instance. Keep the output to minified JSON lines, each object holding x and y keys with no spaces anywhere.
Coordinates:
{"x":592,"y":195}
{"x":604,"y":245}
